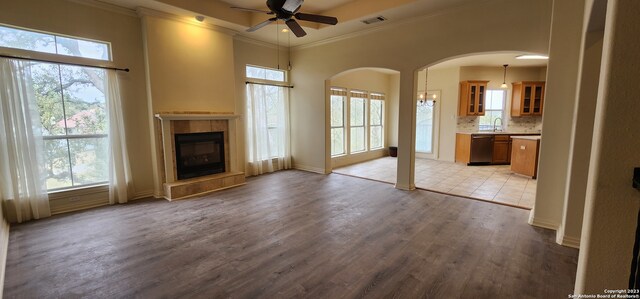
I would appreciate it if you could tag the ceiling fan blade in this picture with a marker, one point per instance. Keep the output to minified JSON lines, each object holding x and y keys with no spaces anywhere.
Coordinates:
{"x":292,"y":5}
{"x":295,"y":27}
{"x":252,"y":10}
{"x":265,"y":23}
{"x":316,"y":18}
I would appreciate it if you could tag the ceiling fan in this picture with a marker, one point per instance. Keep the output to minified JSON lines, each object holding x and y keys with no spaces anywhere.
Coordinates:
{"x":287,"y":10}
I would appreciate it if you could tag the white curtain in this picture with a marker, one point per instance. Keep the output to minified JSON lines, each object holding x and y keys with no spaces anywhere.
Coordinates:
{"x":119,"y":167}
{"x":268,"y":133}
{"x":22,"y":176}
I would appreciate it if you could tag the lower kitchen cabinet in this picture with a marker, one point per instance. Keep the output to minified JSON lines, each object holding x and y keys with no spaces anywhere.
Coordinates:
{"x":501,"y":149}
{"x":524,"y":155}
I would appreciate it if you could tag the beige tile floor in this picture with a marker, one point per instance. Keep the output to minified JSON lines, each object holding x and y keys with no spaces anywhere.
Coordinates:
{"x":491,"y":182}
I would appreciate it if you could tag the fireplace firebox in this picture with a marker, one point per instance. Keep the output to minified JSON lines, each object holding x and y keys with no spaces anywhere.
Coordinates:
{"x":199,"y":154}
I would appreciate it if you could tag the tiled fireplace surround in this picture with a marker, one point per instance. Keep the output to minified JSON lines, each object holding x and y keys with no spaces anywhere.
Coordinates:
{"x":170,"y":124}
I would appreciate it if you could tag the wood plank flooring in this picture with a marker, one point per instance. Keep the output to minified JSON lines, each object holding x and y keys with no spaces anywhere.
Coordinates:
{"x":291,"y":234}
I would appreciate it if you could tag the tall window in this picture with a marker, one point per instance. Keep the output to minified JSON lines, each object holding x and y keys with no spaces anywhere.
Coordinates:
{"x":495,"y":100}
{"x":357,"y":121}
{"x":71,"y":105}
{"x":338,"y":100}
{"x":267,"y":120}
{"x":376,"y":129}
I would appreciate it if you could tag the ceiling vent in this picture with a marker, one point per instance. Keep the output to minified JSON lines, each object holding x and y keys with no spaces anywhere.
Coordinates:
{"x":377,"y":19}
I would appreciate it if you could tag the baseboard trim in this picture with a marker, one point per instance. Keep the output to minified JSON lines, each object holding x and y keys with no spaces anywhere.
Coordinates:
{"x":309,"y":169}
{"x":572,"y":242}
{"x":4,"y":245}
{"x":143,"y":194}
{"x":544,"y":223}
{"x":409,"y":187}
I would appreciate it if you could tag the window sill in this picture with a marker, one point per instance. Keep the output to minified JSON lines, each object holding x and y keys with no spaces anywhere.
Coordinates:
{"x":78,"y":191}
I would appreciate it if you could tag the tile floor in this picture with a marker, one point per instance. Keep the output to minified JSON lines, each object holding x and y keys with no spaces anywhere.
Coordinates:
{"x":490,"y":182}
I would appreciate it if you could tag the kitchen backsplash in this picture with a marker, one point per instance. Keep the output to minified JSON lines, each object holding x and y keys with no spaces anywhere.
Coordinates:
{"x":531,"y":124}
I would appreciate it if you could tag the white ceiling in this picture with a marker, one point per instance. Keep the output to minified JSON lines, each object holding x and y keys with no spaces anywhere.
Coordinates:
{"x":497,"y":60}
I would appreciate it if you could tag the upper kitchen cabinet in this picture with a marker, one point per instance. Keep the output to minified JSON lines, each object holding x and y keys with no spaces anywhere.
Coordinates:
{"x":472,"y":98}
{"x":527,"y":98}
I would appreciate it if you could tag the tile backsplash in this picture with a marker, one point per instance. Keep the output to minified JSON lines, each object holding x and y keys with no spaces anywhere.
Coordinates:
{"x":530,"y":124}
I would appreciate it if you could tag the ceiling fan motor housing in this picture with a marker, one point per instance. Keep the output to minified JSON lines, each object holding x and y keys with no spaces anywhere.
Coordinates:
{"x":284,"y":9}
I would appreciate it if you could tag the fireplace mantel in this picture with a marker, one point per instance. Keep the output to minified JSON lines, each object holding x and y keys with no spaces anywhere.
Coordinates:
{"x":176,"y":189}
{"x":195,"y":116}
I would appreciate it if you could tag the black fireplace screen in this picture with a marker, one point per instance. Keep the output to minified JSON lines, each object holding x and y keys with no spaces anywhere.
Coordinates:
{"x":199,"y":154}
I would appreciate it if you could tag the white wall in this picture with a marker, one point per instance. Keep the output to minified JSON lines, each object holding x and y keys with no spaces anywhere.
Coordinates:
{"x":611,"y":209}
{"x":447,"y":81}
{"x":369,"y":80}
{"x":407,"y":47}
{"x":558,"y":117}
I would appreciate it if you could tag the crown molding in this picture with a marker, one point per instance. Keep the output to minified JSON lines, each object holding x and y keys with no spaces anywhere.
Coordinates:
{"x":390,"y":25}
{"x":256,"y":42}
{"x":148,"y":12}
{"x":106,"y":6}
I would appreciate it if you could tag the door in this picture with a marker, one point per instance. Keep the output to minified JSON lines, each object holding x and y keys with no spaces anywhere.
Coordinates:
{"x":427,"y":125}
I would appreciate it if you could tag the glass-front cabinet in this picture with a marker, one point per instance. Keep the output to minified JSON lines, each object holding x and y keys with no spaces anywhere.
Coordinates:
{"x":527,"y":98}
{"x":472,"y":98}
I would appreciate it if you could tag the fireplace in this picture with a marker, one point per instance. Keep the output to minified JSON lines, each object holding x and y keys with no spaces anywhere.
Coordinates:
{"x":199,"y":154}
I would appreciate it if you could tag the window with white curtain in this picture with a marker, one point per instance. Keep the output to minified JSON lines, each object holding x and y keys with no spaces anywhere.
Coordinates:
{"x":358,"y":121}
{"x":267,"y":110}
{"x":71,"y":105}
{"x":338,"y":110}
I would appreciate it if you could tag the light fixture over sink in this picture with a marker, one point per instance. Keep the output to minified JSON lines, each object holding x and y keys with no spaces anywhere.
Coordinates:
{"x":504,"y":78}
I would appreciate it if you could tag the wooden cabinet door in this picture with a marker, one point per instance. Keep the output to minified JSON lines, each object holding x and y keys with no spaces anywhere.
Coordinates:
{"x":472,"y":98}
{"x":527,"y":95}
{"x":501,"y":153}
{"x":537,"y":99}
{"x":527,"y":98}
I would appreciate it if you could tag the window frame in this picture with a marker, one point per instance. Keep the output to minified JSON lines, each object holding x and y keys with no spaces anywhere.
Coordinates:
{"x":377,"y":97}
{"x":364,"y":96}
{"x":343,"y":94}
{"x":55,"y":36}
{"x":488,"y":128}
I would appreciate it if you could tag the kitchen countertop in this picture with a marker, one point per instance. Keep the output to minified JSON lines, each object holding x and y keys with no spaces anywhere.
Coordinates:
{"x":526,"y":137}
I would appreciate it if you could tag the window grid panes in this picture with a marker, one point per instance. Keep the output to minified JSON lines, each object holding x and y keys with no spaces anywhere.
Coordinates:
{"x":337,"y":125}
{"x":72,"y":109}
{"x":376,"y":111}
{"x":11,"y":37}
{"x":357,"y":119}
{"x":424,"y":127}
{"x":495,"y":101}
{"x":262,"y":73}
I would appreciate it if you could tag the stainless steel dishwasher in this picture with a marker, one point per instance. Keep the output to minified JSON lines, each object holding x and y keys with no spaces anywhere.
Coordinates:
{"x":481,"y":149}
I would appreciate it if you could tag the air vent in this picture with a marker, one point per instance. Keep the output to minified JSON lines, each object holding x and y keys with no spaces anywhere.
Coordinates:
{"x":377,"y":19}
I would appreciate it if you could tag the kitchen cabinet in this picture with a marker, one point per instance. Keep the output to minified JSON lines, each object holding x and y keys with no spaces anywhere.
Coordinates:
{"x":524,"y":155}
{"x":501,"y":149}
{"x":527,"y":98}
{"x":472,"y":98}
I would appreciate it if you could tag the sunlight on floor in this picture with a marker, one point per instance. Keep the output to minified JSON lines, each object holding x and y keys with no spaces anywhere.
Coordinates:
{"x":489,"y":182}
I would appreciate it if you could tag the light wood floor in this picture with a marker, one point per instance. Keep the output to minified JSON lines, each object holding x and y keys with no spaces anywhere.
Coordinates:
{"x":496,"y":183}
{"x":291,"y":234}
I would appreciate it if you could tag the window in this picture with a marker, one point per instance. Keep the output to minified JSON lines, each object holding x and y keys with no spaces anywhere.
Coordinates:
{"x":376,"y":129}
{"x":495,"y":100}
{"x":338,"y":99}
{"x":267,"y":119}
{"x":11,"y":37}
{"x":357,"y":118}
{"x":424,"y":126}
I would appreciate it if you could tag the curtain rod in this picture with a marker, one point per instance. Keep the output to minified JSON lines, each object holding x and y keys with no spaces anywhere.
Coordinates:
{"x":65,"y":63}
{"x":267,"y":84}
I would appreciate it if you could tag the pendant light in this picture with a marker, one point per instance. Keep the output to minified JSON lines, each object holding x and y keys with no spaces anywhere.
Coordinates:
{"x":424,"y":96}
{"x":504,"y":78}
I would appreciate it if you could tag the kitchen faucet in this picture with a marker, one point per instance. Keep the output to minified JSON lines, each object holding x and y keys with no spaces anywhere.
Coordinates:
{"x":494,"y":123}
